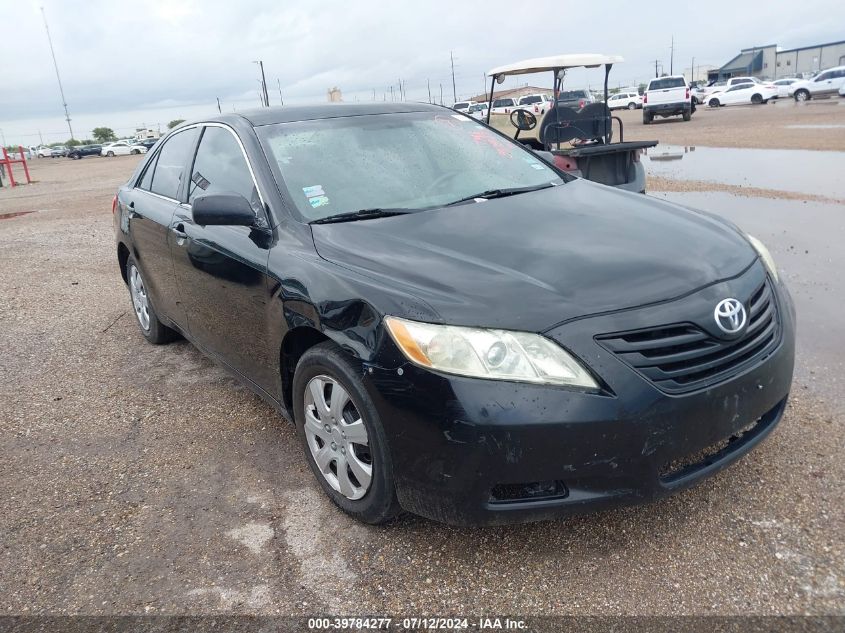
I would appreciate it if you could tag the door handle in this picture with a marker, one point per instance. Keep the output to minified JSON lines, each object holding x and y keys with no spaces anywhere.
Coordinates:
{"x":179,"y":230}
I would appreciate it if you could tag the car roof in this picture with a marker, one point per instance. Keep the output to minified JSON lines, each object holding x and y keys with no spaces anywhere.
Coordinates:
{"x":554,"y":62}
{"x":289,"y":114}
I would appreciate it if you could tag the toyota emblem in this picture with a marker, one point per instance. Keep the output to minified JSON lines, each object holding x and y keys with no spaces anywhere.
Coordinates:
{"x":730,"y":316}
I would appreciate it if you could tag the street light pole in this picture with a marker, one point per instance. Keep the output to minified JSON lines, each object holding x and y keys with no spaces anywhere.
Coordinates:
{"x":264,"y":97}
{"x":58,"y":77}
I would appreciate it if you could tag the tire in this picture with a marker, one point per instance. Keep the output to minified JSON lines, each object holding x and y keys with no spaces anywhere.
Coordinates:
{"x":687,"y":115}
{"x":110,"y":154}
{"x":713,"y":103}
{"x":647,"y":118}
{"x":327,"y":365}
{"x":154,"y":330}
{"x":134,"y":151}
{"x":632,"y":106}
{"x":802,"y":95}
{"x":756,"y":99}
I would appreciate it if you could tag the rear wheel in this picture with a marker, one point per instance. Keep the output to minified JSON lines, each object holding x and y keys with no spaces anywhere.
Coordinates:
{"x":802,"y":95}
{"x":342,"y":434}
{"x":110,"y":154}
{"x":153,"y":330}
{"x":632,"y":106}
{"x":648,"y":117}
{"x":687,"y":115}
{"x":756,"y":99}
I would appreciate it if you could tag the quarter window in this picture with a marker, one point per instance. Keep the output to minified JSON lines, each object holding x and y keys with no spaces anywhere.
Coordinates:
{"x":220,"y":167}
{"x":172,"y":158}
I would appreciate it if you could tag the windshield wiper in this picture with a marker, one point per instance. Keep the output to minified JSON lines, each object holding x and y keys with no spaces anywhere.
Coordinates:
{"x":490,"y":194}
{"x":363,"y":214}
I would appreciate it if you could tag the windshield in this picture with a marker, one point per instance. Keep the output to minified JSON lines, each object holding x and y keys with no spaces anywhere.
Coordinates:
{"x":411,"y":160}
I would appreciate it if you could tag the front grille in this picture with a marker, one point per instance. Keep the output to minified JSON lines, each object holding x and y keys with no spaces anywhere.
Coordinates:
{"x":683,"y":357}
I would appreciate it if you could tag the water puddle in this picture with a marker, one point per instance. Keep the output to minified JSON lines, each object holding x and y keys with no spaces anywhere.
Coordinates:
{"x":7,"y":216}
{"x":799,"y":171}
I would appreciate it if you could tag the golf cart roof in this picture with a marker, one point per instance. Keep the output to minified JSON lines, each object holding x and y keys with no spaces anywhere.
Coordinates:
{"x":555,"y":62}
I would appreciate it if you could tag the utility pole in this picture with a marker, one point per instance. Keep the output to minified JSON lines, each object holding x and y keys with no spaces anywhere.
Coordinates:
{"x":454,"y":90}
{"x":441,"y":94}
{"x":672,"y":57}
{"x":692,"y":70}
{"x":428,"y":85}
{"x":374,"y":94}
{"x":265,"y":99}
{"x":279,"y":83}
{"x":58,"y":77}
{"x":219,"y":111}
{"x":391,"y":93}
{"x":3,"y":137}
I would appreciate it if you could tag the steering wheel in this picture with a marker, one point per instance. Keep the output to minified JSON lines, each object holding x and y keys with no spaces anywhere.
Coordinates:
{"x":525,"y":120}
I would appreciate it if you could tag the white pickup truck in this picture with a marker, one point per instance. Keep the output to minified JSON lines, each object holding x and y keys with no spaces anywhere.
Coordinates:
{"x":667,"y":96}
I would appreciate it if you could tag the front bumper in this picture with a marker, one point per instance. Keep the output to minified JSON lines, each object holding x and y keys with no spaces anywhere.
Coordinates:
{"x":469,"y":451}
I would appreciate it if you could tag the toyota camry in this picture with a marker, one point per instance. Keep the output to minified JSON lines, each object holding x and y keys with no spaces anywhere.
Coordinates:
{"x":457,"y":328}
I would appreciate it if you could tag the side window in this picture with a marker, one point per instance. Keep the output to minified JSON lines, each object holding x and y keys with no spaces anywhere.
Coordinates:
{"x":147,"y":178}
{"x":823,"y":77}
{"x":220,"y":167}
{"x":172,"y":157}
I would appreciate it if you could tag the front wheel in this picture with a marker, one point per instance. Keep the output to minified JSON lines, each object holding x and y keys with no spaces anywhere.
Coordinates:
{"x":802,"y":95}
{"x":756,"y":99}
{"x":632,"y":106}
{"x":110,"y":154}
{"x":342,"y":434}
{"x":713,"y":103}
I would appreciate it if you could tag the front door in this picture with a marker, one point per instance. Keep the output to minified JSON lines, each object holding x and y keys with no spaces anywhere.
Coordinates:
{"x":221,"y":270}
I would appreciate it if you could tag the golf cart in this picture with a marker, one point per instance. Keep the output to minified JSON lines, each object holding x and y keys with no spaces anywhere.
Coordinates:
{"x":579,"y":141}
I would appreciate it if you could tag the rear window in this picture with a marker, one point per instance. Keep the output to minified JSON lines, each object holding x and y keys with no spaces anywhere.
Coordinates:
{"x":501,"y":103}
{"x":667,"y":82}
{"x":460,"y":105}
{"x":532,"y":99}
{"x":569,"y":95}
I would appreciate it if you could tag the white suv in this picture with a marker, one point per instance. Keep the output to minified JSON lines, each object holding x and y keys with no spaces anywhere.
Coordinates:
{"x":667,"y":96}
{"x":630,"y":100}
{"x":827,"y":82}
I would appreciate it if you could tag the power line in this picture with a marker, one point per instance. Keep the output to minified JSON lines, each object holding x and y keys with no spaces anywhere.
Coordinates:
{"x":58,"y":77}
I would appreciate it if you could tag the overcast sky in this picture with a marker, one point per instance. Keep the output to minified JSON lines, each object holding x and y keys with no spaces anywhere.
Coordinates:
{"x":127,"y":63}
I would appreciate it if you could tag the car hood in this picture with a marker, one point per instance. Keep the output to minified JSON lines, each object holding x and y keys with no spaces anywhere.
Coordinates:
{"x":535,"y":260}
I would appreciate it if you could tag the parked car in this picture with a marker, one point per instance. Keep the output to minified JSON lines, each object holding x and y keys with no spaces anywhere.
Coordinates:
{"x":58,"y":151}
{"x":387,"y":311}
{"x":538,"y":103}
{"x":842,"y":91}
{"x":146,"y":142}
{"x":826,"y":83}
{"x":503,"y":105}
{"x":667,"y":96}
{"x":629,"y":100}
{"x":122,"y":148}
{"x":84,"y":150}
{"x":783,"y":86}
{"x":742,"y":94}
{"x":463,"y":106}
{"x":478,"y":111}
{"x":44,"y":152}
{"x":576,"y":99}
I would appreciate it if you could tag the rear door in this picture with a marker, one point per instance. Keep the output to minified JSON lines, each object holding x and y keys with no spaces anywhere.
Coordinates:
{"x":151,"y":204}
{"x":222,"y":270}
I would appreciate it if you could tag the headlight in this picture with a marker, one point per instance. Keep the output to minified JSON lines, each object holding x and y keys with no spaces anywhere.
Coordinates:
{"x":764,"y":254}
{"x":483,"y":353}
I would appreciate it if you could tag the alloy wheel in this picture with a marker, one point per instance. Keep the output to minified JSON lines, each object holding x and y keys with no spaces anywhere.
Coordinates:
{"x":337,"y":437}
{"x":140,"y":300}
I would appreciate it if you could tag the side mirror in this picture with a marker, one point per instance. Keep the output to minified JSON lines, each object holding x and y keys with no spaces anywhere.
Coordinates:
{"x":222,"y":209}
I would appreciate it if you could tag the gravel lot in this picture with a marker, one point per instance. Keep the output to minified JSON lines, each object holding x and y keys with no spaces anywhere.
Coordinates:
{"x":142,"y":479}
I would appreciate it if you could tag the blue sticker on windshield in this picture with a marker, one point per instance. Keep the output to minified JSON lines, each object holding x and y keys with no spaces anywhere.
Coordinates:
{"x":318,"y":201}
{"x":313,"y":190}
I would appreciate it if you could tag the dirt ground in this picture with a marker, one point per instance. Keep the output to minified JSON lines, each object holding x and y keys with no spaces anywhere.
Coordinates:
{"x":782,"y":124}
{"x":144,"y":480}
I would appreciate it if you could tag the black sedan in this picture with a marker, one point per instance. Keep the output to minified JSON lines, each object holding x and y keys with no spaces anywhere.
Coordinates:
{"x":80,"y":151}
{"x":457,"y":328}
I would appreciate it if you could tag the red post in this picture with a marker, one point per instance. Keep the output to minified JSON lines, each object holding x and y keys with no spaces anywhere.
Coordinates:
{"x":8,"y":163}
{"x":25,"y":168}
